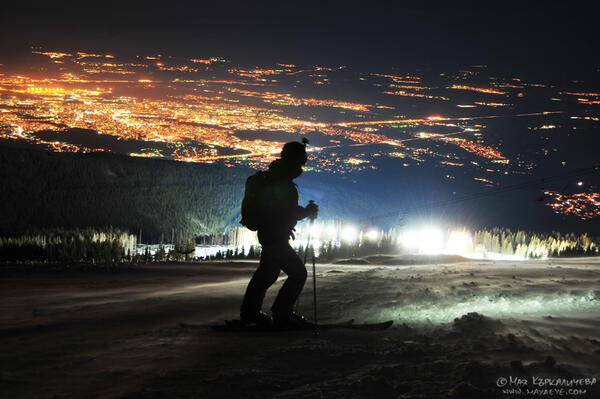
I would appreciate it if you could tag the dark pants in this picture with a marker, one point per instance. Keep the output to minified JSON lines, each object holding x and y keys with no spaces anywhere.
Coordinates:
{"x":274,"y":258}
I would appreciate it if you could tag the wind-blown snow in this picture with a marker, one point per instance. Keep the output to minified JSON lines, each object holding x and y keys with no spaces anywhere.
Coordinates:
{"x":492,"y":306}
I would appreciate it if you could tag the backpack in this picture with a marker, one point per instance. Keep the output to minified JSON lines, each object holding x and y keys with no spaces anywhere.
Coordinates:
{"x":253,"y":203}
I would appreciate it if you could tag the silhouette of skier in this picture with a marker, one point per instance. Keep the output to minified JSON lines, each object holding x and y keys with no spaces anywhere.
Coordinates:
{"x":280,"y":215}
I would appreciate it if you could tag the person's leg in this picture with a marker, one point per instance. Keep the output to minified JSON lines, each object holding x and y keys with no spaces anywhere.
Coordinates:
{"x":292,"y":265}
{"x":264,"y":276}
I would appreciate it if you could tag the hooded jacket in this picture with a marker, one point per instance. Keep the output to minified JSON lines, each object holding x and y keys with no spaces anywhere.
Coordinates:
{"x":281,"y":203}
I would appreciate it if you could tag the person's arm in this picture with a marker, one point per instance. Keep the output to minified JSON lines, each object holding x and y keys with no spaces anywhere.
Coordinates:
{"x":301,"y":212}
{"x":309,"y":211}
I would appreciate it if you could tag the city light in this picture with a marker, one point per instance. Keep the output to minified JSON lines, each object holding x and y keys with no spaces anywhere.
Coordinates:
{"x":478,"y":89}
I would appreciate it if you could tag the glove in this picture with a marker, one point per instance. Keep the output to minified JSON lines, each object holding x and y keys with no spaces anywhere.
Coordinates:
{"x":312,"y":210}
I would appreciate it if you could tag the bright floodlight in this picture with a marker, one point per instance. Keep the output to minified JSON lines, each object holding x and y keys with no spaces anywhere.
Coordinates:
{"x":431,"y":241}
{"x":315,"y":231}
{"x":459,"y":242}
{"x":330,"y":231}
{"x":349,"y":234}
{"x":372,"y":235}
{"x":410,"y":239}
{"x":427,"y":241}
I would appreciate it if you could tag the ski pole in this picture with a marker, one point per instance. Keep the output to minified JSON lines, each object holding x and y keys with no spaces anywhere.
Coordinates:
{"x":307,"y":241}
{"x":305,"y":253}
{"x":310,"y":224}
{"x":314,"y":286}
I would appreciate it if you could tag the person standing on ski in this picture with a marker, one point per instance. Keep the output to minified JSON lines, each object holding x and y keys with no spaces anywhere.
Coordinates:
{"x":279,"y":214}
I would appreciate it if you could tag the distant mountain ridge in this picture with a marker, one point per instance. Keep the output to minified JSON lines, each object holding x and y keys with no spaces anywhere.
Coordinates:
{"x":46,"y":189}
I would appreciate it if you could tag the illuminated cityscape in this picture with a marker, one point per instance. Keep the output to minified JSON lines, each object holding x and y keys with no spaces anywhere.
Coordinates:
{"x":583,"y":205}
{"x":210,"y":110}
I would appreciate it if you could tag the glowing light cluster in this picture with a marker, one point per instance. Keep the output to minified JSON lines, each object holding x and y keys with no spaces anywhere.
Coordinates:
{"x":55,"y":91}
{"x":286,"y":99}
{"x":475,"y":148}
{"x":52,"y":54}
{"x":256,"y":73}
{"x":492,"y":104}
{"x":207,"y":61}
{"x":585,"y":206}
{"x":580,"y":94}
{"x":477,"y":89}
{"x":404,"y":93}
{"x":488,"y":182}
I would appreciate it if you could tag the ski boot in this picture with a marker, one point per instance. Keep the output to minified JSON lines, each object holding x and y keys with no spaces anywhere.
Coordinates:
{"x":291,"y":321}
{"x":260,"y":319}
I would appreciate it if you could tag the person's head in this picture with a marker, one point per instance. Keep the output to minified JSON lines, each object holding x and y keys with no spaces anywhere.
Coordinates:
{"x":293,"y":154}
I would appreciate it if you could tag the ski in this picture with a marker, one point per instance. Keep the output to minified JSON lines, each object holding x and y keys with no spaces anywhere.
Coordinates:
{"x":238,"y":326}
{"x":364,"y":326}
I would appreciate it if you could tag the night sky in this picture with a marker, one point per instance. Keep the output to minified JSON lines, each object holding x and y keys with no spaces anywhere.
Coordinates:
{"x":544,"y":38}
